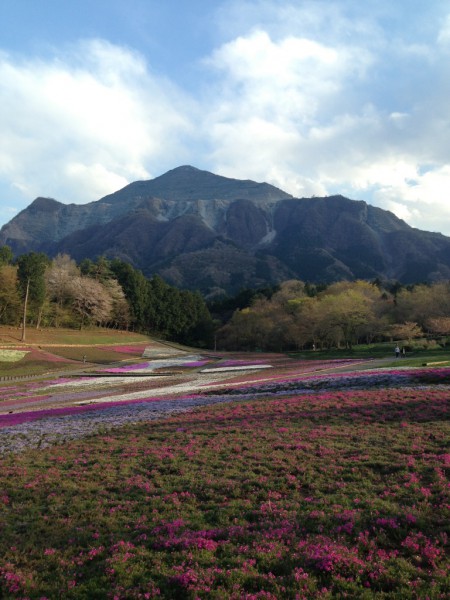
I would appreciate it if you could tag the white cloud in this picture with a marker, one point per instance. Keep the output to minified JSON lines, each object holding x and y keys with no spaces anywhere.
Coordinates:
{"x":92,"y":118}
{"x":317,"y":102}
{"x":422,"y":200}
{"x":275,"y":109}
{"x":288,"y":78}
{"x":316,"y":97}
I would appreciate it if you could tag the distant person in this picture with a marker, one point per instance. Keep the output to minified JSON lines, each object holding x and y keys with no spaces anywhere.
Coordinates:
{"x":404,"y":352}
{"x":84,"y":358}
{"x":397,"y":352}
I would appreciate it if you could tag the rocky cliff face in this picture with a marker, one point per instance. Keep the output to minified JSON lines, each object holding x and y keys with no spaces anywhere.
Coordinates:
{"x":199,"y":230}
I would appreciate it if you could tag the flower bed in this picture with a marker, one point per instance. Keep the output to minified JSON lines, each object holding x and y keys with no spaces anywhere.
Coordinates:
{"x":154,"y":365}
{"x":331,"y":494}
{"x":307,"y":382}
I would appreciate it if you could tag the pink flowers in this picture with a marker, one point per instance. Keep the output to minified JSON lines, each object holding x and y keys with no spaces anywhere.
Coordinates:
{"x":419,"y":544}
{"x":387,"y":523}
{"x":313,"y":487}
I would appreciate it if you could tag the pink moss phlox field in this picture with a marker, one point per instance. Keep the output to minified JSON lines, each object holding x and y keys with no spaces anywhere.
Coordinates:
{"x":24,"y":390}
{"x":28,"y":399}
{"x":333,"y":494}
{"x":297,"y":370}
{"x":300,"y":380}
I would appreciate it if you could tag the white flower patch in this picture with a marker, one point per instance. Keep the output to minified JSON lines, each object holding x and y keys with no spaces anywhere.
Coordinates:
{"x":155,"y":364}
{"x":171,"y":362}
{"x":12,"y":355}
{"x":177,"y":388}
{"x":98,"y":382}
{"x":163,"y":350}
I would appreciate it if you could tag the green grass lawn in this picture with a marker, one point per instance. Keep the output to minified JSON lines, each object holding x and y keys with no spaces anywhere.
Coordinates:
{"x":415,"y":357}
{"x":53,"y":350}
{"x":60,"y":336}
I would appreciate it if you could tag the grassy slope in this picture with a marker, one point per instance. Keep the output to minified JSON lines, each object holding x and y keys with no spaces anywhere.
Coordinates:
{"x":63,"y":349}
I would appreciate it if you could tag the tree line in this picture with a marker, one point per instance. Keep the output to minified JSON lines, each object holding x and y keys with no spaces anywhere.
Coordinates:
{"x":38,"y":291}
{"x":41,"y":292}
{"x":299,"y":315}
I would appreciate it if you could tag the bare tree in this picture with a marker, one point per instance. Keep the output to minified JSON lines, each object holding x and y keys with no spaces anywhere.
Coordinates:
{"x":59,"y":276}
{"x":90,"y":300}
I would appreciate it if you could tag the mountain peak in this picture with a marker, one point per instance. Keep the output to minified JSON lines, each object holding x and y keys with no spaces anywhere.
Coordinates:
{"x":186,"y":183}
{"x":45,"y":204}
{"x":183,"y":169}
{"x":189,"y":183}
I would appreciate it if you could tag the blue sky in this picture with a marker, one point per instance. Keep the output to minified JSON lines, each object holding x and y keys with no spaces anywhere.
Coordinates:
{"x":318,"y":97}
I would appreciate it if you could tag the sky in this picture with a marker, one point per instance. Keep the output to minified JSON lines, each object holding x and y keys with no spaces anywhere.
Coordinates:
{"x":317,"y":97}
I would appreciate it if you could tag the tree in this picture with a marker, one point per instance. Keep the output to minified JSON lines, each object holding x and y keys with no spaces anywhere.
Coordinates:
{"x":439,"y":325}
{"x":246,"y":330}
{"x":307,"y":321}
{"x":159,"y":314}
{"x":59,"y":278}
{"x":422,"y":302}
{"x":406,"y":331}
{"x":9,"y":295}
{"x":90,"y":300}
{"x":345,"y":313}
{"x":31,"y":281}
{"x":136,"y":289}
{"x":120,"y":312}
{"x":87,"y":267}
{"x":6,"y":255}
{"x":102,"y":269}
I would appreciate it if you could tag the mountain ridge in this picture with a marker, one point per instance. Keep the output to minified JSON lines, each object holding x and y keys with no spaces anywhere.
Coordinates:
{"x":204,"y":231}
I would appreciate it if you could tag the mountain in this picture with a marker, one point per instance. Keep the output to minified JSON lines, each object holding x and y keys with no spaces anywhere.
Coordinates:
{"x":203,"y":231}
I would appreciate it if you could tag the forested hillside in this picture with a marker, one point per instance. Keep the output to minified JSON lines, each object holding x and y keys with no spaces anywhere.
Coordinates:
{"x":39,"y":292}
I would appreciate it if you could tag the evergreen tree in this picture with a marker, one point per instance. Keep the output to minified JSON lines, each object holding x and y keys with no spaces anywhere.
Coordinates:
{"x":136,"y":289}
{"x":31,"y":280}
{"x":6,"y":255}
{"x":9,"y":295}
